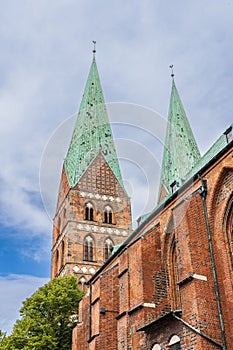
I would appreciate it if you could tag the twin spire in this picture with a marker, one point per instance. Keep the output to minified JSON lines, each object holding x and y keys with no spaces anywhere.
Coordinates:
{"x":181,"y":152}
{"x":92,"y":132}
{"x":92,"y":135}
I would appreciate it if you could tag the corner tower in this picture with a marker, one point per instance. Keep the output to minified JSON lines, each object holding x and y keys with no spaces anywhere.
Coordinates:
{"x":181,"y":152}
{"x":93,"y":211}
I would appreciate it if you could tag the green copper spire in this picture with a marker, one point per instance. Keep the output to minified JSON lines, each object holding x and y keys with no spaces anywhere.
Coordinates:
{"x":92,"y":133}
{"x":181,"y":152}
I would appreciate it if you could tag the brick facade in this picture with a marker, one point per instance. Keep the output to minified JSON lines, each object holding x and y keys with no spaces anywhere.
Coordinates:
{"x":161,"y":282}
{"x":97,"y":190}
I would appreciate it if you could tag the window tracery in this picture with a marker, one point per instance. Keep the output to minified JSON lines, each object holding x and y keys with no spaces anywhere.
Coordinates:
{"x":89,"y":212}
{"x":108,"y":215}
{"x":88,"y":248}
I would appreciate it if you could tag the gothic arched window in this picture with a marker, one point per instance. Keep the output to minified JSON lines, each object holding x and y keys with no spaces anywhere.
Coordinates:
{"x":174,"y":278}
{"x":108,"y":215}
{"x":82,"y":283}
{"x":108,"y":247}
{"x":88,"y":248}
{"x":89,"y":212}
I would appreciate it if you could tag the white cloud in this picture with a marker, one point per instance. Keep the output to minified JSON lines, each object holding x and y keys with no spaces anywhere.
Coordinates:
{"x":14,"y":289}
{"x":44,"y":62}
{"x":46,"y":53}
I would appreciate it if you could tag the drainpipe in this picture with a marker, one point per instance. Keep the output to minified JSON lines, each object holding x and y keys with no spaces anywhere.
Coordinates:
{"x":90,"y":310}
{"x":203,"y":194}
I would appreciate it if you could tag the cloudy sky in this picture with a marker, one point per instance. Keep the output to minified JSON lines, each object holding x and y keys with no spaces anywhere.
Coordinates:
{"x":45,"y":58}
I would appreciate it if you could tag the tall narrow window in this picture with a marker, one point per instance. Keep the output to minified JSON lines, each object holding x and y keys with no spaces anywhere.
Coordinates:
{"x":108,"y":215}
{"x":108,"y":247}
{"x":89,"y":212}
{"x":174,"y":278}
{"x":62,"y":253}
{"x":56,"y":263}
{"x":82,"y":283}
{"x":88,"y":248}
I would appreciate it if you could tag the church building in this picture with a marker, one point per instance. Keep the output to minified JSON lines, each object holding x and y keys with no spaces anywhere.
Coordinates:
{"x":168,"y":284}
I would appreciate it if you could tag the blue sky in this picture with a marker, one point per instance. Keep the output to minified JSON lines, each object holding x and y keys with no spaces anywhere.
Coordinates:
{"x":44,"y":62}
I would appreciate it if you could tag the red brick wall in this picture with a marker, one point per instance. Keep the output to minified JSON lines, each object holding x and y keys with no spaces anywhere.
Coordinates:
{"x":140,"y":282}
{"x":98,"y":186}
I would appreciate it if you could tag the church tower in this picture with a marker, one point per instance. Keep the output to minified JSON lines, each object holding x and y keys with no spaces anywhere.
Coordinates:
{"x":93,"y":211}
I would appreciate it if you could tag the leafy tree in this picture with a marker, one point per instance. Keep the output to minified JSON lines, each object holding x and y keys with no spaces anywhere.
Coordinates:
{"x":2,"y":336}
{"x":44,"y":323}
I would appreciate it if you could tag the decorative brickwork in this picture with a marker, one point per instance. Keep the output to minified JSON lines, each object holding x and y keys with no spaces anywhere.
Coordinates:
{"x":72,"y":252}
{"x":152,"y":299}
{"x":167,"y":285}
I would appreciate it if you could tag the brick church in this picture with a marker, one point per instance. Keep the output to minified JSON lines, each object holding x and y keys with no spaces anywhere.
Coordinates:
{"x":168,"y":284}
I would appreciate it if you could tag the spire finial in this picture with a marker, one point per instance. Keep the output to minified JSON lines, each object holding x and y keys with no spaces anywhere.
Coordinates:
{"x":172,"y":75}
{"x":94,"y":50}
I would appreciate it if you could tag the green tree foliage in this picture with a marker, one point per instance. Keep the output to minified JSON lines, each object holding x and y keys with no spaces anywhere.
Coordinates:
{"x":2,"y":336}
{"x":44,"y":323}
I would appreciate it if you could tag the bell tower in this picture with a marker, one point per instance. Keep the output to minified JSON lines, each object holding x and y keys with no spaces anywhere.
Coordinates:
{"x":93,"y":211}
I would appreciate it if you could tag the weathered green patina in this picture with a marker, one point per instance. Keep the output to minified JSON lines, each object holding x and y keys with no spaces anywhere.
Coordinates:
{"x":92,"y":133}
{"x":181,"y":152}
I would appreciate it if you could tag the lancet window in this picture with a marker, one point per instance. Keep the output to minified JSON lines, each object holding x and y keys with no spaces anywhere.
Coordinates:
{"x":108,"y":215}
{"x":89,"y":212}
{"x":108,"y":247}
{"x":82,"y":283}
{"x":88,"y":248}
{"x":174,"y":278}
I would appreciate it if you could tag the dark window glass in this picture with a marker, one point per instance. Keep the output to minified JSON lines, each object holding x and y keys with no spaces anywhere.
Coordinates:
{"x":89,"y":212}
{"x":88,"y":249}
{"x":108,"y":215}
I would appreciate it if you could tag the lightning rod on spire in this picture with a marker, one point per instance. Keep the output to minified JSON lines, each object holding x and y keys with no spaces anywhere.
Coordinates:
{"x":94,"y":48}
{"x":171,"y":66}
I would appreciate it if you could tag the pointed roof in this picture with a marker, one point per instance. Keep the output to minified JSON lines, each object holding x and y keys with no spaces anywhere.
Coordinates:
{"x":181,"y":152}
{"x":92,"y":133}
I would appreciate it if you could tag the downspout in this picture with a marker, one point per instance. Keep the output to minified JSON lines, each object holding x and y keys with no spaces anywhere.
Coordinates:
{"x":90,"y":313}
{"x":203,"y":194}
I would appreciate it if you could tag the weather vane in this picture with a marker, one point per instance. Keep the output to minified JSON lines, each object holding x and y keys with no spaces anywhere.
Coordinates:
{"x":171,"y":66}
{"x":94,"y":50}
